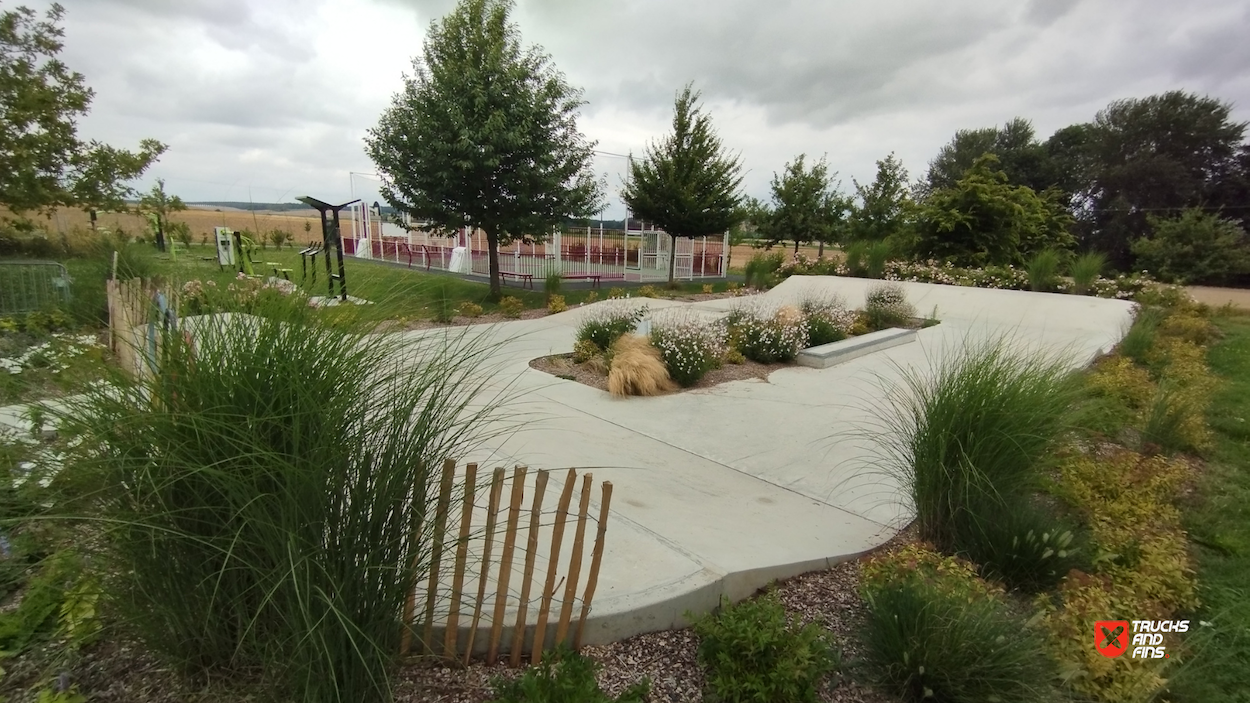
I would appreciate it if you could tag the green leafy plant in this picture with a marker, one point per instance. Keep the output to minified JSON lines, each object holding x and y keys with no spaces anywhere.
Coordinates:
{"x":875,"y":258}
{"x":584,"y":350}
{"x":1197,"y":247}
{"x":828,"y":320}
{"x":606,"y":324}
{"x":511,"y":307}
{"x":470,"y":309}
{"x":1086,"y":270}
{"x":563,"y":676}
{"x":1139,"y":340}
{"x":885,"y":305}
{"x":552,"y":283}
{"x":761,"y":269}
{"x":648,"y":292}
{"x":768,"y":338}
{"x":753,"y":651}
{"x":1043,"y":270}
{"x":556,"y":304}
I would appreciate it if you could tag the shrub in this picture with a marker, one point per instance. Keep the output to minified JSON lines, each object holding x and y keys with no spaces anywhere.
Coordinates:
{"x":828,"y":320}
{"x":689,"y":346}
{"x":563,"y":676}
{"x":856,"y":253}
{"x":552,"y":283}
{"x":584,"y":350}
{"x":1197,"y":247}
{"x":769,"y":338}
{"x":753,"y":651}
{"x":637,"y":368}
{"x":1175,"y":421}
{"x":761,"y":270}
{"x":1086,"y":270}
{"x":556,"y":304}
{"x":607,"y":323}
{"x":886,"y":306}
{"x":511,"y":307}
{"x":648,"y":292}
{"x":231,"y":514}
{"x":969,"y":440}
{"x":875,"y":259}
{"x":616,"y":293}
{"x":1043,"y":270}
{"x":1189,"y":328}
{"x":708,"y":289}
{"x":733,"y":356}
{"x":591,"y":297}
{"x":936,"y":632}
{"x":469,"y":309}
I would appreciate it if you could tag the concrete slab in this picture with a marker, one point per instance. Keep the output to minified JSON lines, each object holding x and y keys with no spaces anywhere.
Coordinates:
{"x":834,"y":353}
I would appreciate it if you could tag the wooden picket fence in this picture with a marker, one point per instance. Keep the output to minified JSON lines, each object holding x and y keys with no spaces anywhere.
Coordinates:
{"x":496,"y":577}
{"x":135,"y":309}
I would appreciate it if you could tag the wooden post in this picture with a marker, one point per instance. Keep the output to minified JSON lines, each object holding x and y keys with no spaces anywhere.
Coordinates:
{"x":575,"y":563}
{"x":462,"y":556}
{"x":592,"y":580}
{"x":492,"y":514}
{"x":527,"y":575}
{"x":436,"y":552}
{"x":549,"y":588}
{"x":505,"y":562}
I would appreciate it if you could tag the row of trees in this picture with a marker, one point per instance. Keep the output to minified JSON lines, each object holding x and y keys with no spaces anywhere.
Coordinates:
{"x":484,"y":135}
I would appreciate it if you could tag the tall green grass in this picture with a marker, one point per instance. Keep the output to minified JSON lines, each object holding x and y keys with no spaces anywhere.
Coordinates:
{"x":970,"y":440}
{"x":876,"y":256}
{"x":265,"y":500}
{"x":1043,"y":271}
{"x":1085,"y":271}
{"x":1141,"y":335}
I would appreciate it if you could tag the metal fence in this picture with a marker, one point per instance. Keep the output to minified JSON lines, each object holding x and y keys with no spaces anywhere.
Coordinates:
{"x":32,"y":285}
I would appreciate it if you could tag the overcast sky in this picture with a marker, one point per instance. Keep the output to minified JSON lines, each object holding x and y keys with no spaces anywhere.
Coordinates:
{"x":265,"y":100}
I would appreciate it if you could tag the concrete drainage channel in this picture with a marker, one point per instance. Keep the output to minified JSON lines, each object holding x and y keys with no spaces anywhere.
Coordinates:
{"x":835,"y":353}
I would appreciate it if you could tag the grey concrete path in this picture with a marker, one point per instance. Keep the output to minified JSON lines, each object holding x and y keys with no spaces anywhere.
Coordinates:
{"x":719,"y":491}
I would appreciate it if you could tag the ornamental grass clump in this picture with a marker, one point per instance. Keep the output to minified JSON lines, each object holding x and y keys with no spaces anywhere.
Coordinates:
{"x":637,"y":368}
{"x":1085,"y":271}
{"x":768,"y":336}
{"x":970,"y":441}
{"x":1043,"y":271}
{"x":265,"y":499}
{"x":828,"y":320}
{"x":689,"y":346}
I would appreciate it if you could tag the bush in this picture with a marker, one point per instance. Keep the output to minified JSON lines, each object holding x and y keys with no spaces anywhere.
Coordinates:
{"x":607,"y":323}
{"x":886,"y":306}
{"x":616,"y":293}
{"x":563,"y":676}
{"x":970,"y":439}
{"x":584,"y":350}
{"x":1086,"y":270}
{"x":552,"y":283}
{"x":556,"y":304}
{"x":689,"y":346}
{"x":648,"y":292}
{"x":769,"y":338}
{"x":828,"y":320}
{"x":1022,"y":544}
{"x":637,"y":368}
{"x":761,"y":270}
{"x":511,"y":307}
{"x":1043,"y":270}
{"x":231,"y":514}
{"x":753,"y":651}
{"x":1196,"y":247}
{"x":855,"y":255}
{"x":469,"y":309}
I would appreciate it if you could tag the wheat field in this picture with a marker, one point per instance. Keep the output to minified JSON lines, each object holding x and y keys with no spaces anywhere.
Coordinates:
{"x":201,"y":221}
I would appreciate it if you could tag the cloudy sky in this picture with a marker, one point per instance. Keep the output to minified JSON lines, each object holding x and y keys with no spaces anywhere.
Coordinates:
{"x":265,"y":100}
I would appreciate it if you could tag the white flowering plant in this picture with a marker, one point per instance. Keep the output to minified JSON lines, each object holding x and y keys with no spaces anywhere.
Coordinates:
{"x":606,"y":324}
{"x":689,"y":346}
{"x":828,"y":320}
{"x":768,"y":335}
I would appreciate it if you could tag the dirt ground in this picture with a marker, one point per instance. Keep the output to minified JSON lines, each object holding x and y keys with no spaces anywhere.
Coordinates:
{"x":1216,"y":297}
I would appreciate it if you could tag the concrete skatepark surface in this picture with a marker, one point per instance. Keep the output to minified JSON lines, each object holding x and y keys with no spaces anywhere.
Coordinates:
{"x":720,"y":491}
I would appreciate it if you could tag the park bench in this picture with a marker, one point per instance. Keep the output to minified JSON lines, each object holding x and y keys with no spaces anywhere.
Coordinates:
{"x":527,"y":279}
{"x":592,"y":277}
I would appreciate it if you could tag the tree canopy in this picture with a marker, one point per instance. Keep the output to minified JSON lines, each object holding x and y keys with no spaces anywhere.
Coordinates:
{"x":43,"y":162}
{"x":687,"y":183}
{"x":1021,"y":157}
{"x":484,"y":134}
{"x":885,"y":205}
{"x":159,"y":204}
{"x":806,"y":206}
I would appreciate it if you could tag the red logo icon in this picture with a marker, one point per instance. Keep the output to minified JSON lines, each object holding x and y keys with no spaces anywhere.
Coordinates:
{"x":1111,"y":637}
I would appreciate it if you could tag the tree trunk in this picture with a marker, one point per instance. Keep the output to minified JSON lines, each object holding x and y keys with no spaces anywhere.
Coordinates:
{"x":492,"y":256}
{"x":796,"y":247}
{"x":160,"y":235}
{"x":820,"y":252}
{"x":672,"y":259}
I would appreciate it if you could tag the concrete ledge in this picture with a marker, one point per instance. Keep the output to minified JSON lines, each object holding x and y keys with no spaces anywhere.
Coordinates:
{"x":835,"y":353}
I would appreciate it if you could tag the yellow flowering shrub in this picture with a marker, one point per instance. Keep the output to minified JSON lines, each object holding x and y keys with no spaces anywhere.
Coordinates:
{"x":922,"y":563}
{"x":1117,"y":377}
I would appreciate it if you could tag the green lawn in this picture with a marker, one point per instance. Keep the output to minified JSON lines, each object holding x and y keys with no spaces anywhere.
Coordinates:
{"x":1219,"y":524}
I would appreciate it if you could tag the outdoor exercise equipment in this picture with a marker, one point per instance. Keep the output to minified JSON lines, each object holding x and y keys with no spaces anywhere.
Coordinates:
{"x":309,"y":254}
{"x":331,"y":240}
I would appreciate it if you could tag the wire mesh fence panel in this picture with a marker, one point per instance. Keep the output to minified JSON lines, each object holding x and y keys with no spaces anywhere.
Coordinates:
{"x":26,"y":286}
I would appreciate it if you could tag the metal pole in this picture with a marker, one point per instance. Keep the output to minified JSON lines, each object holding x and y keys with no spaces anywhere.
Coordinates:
{"x":339,"y":249}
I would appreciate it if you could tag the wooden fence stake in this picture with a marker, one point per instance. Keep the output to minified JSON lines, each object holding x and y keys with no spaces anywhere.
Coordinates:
{"x":592,"y":580}
{"x":549,"y":588}
{"x":527,"y":574}
{"x":575,"y":563}
{"x":462,"y":556}
{"x":408,"y":619}
{"x":492,"y":514}
{"x":436,"y":552}
{"x":505,"y":562}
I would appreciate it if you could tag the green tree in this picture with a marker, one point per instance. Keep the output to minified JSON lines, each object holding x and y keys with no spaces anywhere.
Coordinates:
{"x":43,"y":162}
{"x":688,"y":183}
{"x":1157,"y":156}
{"x":158,"y":205}
{"x":484,"y":134}
{"x":1197,"y":247}
{"x":885,"y":205}
{"x":806,"y":206}
{"x":1021,"y":157}
{"x":984,"y":219}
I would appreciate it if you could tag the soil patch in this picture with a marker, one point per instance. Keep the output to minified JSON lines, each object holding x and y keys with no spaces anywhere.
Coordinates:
{"x":596,"y":376}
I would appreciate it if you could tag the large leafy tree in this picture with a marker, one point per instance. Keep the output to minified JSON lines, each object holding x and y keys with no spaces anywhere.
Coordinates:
{"x":984,"y":219}
{"x":1023,"y":159}
{"x":885,"y":205}
{"x":484,"y":134}
{"x":687,"y":183}
{"x":43,"y":162}
{"x":1157,"y":156}
{"x":1197,"y":247}
{"x":159,"y":204}
{"x":806,"y":206}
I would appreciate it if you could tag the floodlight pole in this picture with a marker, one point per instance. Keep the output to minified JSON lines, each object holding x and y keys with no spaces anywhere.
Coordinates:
{"x":330,"y":238}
